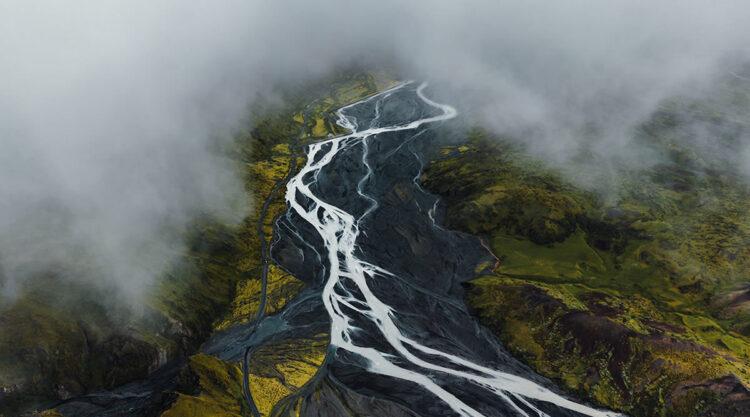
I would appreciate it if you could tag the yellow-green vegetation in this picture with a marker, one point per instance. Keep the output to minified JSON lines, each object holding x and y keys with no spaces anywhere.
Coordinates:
{"x":53,"y":342}
{"x":214,"y":387}
{"x":637,"y":301}
{"x":280,"y":289}
{"x":322,"y":120}
{"x":52,"y":347}
{"x":264,"y":155}
{"x":612,"y":349}
{"x":47,"y":413}
{"x":282,"y":367}
{"x":218,"y":391}
{"x":220,"y":256}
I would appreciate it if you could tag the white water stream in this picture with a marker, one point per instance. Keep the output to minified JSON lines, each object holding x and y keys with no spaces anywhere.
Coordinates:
{"x":339,"y":231}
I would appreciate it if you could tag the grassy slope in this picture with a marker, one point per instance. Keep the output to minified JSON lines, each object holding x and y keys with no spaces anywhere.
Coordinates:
{"x":637,"y":302}
{"x":280,"y":369}
{"x":52,"y":348}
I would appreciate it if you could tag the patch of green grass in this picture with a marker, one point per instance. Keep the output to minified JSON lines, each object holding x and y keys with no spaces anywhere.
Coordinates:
{"x":50,"y":348}
{"x":219,"y":390}
{"x":570,"y":260}
{"x":656,"y":267}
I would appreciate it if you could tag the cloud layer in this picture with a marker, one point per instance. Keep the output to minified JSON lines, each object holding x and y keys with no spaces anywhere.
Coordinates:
{"x":107,"y":111}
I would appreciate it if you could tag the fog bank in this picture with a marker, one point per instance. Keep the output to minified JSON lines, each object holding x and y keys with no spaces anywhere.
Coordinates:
{"x":108,"y":112}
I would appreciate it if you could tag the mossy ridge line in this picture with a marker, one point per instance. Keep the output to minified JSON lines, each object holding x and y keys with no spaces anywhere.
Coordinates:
{"x":277,"y":148}
{"x":664,"y":272}
{"x":194,"y":295}
{"x":265,"y":256}
{"x":362,"y":93}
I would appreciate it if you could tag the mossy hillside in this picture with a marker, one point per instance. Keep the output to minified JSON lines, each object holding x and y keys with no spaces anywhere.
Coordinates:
{"x":219,"y":258}
{"x":56,"y":345}
{"x":47,"y":413}
{"x":212,"y":387}
{"x":681,"y":259}
{"x":50,"y":351}
{"x":623,"y":299}
{"x":280,"y":289}
{"x":216,"y":388}
{"x":614,"y":355}
{"x":279,"y":370}
{"x":273,"y":132}
{"x":223,"y":257}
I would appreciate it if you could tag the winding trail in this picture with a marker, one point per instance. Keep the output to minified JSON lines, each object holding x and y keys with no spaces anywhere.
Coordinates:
{"x":348,"y":297}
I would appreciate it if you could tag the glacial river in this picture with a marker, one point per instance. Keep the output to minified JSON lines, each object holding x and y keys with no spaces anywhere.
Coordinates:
{"x":383,"y":279}
{"x":402,"y":327}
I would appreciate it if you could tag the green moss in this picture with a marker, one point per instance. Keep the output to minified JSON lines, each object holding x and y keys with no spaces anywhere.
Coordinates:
{"x":280,"y":290}
{"x":212,"y":387}
{"x":50,"y":349}
{"x":693,"y":400}
{"x":47,"y":413}
{"x":51,"y":342}
{"x":619,"y":299}
{"x":571,"y":259}
{"x":602,"y":359}
{"x":223,"y":258}
{"x":219,"y":386}
{"x":280,"y":369}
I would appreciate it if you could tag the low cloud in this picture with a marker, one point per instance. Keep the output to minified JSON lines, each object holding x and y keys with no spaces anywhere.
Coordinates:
{"x":108,"y":112}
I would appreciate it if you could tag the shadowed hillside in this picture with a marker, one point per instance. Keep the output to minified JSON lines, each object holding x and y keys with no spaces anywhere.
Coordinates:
{"x":635,"y":298}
